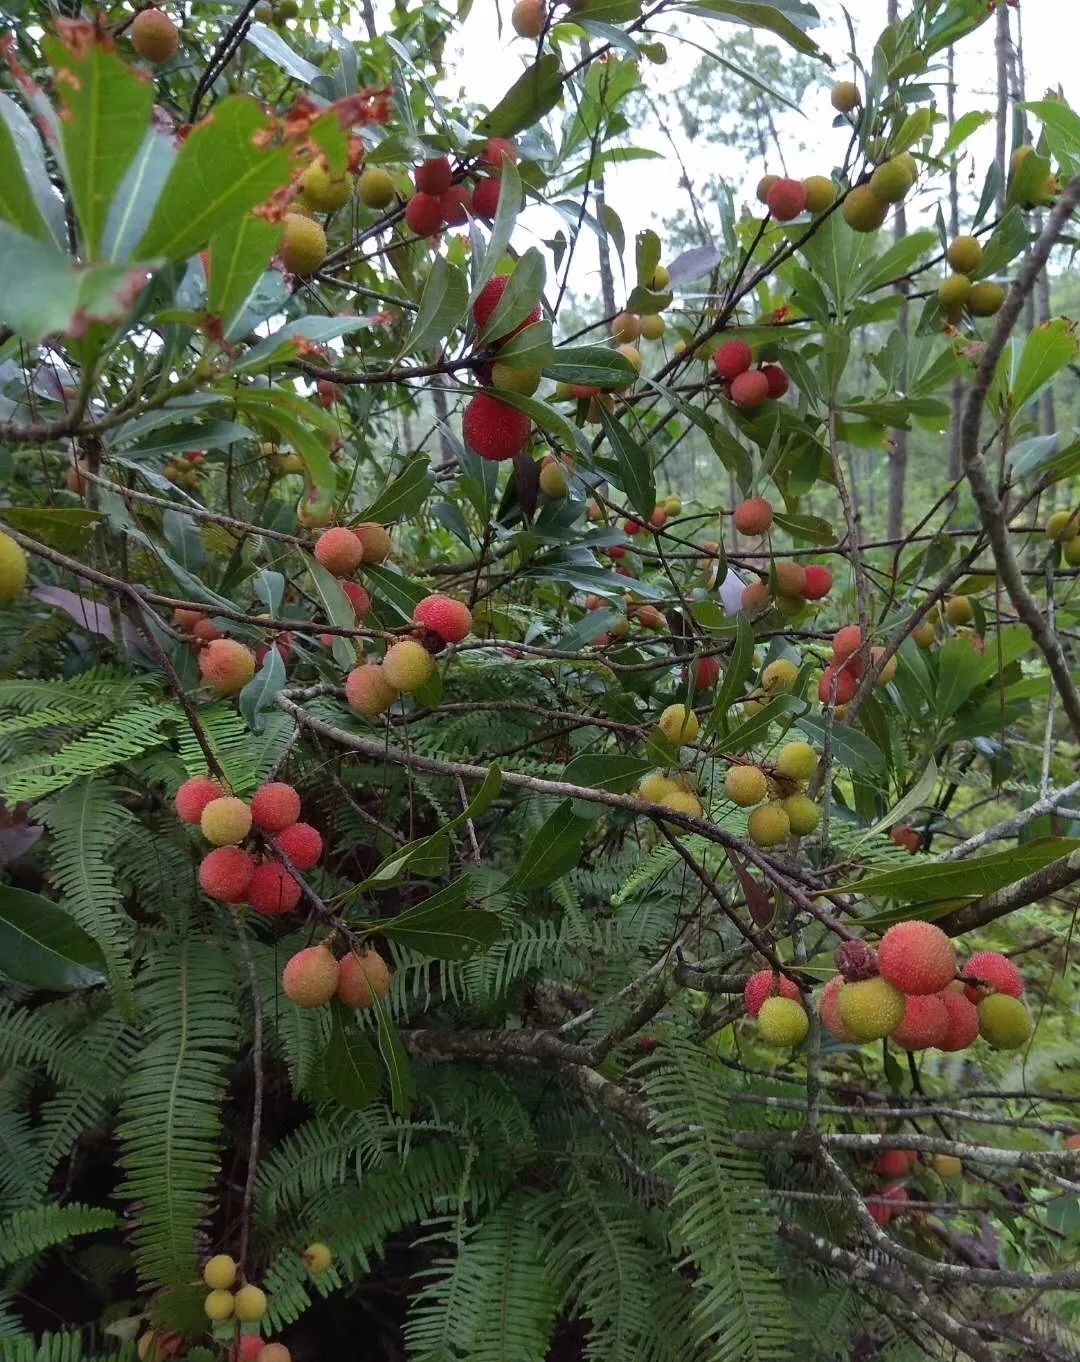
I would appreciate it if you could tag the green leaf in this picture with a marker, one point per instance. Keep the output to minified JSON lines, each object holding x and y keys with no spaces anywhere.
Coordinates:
{"x":519,"y":297}
{"x":553,"y":851}
{"x":510,"y":199}
{"x":289,"y":341}
{"x":531,"y":96}
{"x":105,"y":109}
{"x":404,"y":495}
{"x":395,"y":1060}
{"x":271,"y":44}
{"x":848,"y":746}
{"x":918,"y":795}
{"x":302,"y":425}
{"x":351,"y":1067}
{"x":221,"y":172}
{"x":530,"y":348}
{"x":634,"y":463}
{"x":41,"y":946}
{"x":64,"y":527}
{"x":897,"y":260}
{"x":959,"y":671}
{"x":810,"y":528}
{"x":443,"y":304}
{"x":752,"y":730}
{"x":1047,"y":350}
{"x":606,"y":771}
{"x":756,"y":16}
{"x":260,"y":693}
{"x":441,"y":927}
{"x":963,"y":128}
{"x":592,"y":366}
{"x":393,"y":587}
{"x":239,"y":255}
{"x":1057,"y":115}
{"x":20,"y":158}
{"x":969,"y":878}
{"x":337,"y":608}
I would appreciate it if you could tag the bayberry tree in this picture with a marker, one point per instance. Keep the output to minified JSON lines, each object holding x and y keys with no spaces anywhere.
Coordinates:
{"x":464,"y":896}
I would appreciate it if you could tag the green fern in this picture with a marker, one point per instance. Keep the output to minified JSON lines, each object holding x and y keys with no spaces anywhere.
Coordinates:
{"x":172,"y":1103}
{"x":28,"y":1232}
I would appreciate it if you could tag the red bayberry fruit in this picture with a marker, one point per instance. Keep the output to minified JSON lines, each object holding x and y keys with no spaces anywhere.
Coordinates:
{"x":302,"y":844}
{"x":273,"y":891}
{"x":765,"y":984}
{"x":706,"y":672}
{"x":818,"y":582}
{"x":488,"y":300}
{"x":455,"y":205}
{"x":753,"y":517}
{"x":889,"y":1202}
{"x":963,"y":1026}
{"x":786,"y":199}
{"x":485,"y":200}
{"x":995,"y":972}
{"x":493,"y":429}
{"x":361,"y":601}
{"x":895,"y":1163}
{"x":777,"y":379}
{"x":732,"y":359}
{"x":423,"y":215}
{"x":846,"y":641}
{"x":275,"y":806}
{"x":926,"y":1023}
{"x":750,"y":390}
{"x":497,"y":150}
{"x":837,"y":685}
{"x":916,"y":957}
{"x":194,"y":795}
{"x":450,"y":619}
{"x":433,"y":176}
{"x":225,"y":873}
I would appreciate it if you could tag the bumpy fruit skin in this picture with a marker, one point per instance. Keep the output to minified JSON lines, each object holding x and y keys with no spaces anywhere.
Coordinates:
{"x":768,"y":825}
{"x":423,"y":214}
{"x":755,"y":596}
{"x":407,"y":665}
{"x":226,"y":666}
{"x":1004,"y":1022}
{"x":655,"y":786}
{"x":450,"y":619}
{"x":870,"y":1009}
{"x":303,"y":247}
{"x":154,"y":36}
{"x":194,"y":795}
{"x":273,"y":1352}
{"x":273,"y":892}
{"x":219,"y":1305}
{"x":358,"y":597}
{"x":682,"y":801}
{"x":310,"y":978}
{"x":374,"y":540}
{"x":779,"y":675}
{"x":317,"y":1258}
{"x":746,"y":785}
{"x":750,"y":390}
{"x":752,"y":517}
{"x":765,"y":984}
{"x":895,"y":1163}
{"x":376,"y":188}
{"x":653,"y":326}
{"x":963,"y":1024}
{"x":954,"y":291}
{"x":917,"y":957}
{"x":925,"y":1023}
{"x":456,"y":205}
{"x":786,"y":199}
{"x":732,"y":359}
{"x":225,"y":821}
{"x":817,"y":582}
{"x":783,"y":1022}
{"x":790,"y":579}
{"x":985,"y":298}
{"x":837,"y":685}
{"x":796,"y":761}
{"x":250,"y":1304}
{"x":488,"y":300}
{"x":803,"y":814}
{"x":820,"y":193}
{"x":302,"y":843}
{"x":891,"y":181}
{"x":13,"y":568}
{"x":322,"y":191}
{"x":368,"y":691}
{"x":339,"y":551}
{"x":679,"y":725}
{"x":995,"y":973}
{"x":947,"y":1166}
{"x":777,"y":379}
{"x":275,"y":806}
{"x":863,"y":210}
{"x":844,"y":96}
{"x":964,"y":254}
{"x":486,"y":197}
{"x":225,"y":874}
{"x":856,"y":960}
{"x":363,"y":977}
{"x":527,"y":18}
{"x":498,"y":150}
{"x":494,"y":430}
{"x":846,"y":642}
{"x":705,"y":670}
{"x":830,"y":1012}
{"x":219,"y":1272}
{"x":433,"y":176}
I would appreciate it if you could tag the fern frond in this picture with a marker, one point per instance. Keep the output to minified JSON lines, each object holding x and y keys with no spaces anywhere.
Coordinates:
{"x":28,"y":1232}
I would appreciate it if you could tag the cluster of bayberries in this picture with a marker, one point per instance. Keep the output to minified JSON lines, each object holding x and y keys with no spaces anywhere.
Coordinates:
{"x":789,"y":585}
{"x":246,"y":1303}
{"x":438,"y":202}
{"x":840,"y":679}
{"x":896,"y":1164}
{"x":960,"y":290}
{"x":232,"y":874}
{"x":314,"y":975}
{"x":494,"y":429}
{"x":407,"y":664}
{"x":909,"y":990}
{"x":746,"y":386}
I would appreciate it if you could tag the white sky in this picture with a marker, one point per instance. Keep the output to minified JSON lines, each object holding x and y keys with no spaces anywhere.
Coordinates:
{"x":486,"y":65}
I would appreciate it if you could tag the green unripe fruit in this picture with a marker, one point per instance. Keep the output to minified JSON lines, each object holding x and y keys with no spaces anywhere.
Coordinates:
{"x":863,"y":210}
{"x":653,"y":326}
{"x":783,"y":1022}
{"x":1072,"y":551}
{"x":924,"y":634}
{"x":845,"y":96}
{"x":796,"y":761}
{"x":673,"y":506}
{"x":954,"y":291}
{"x":407,"y":665}
{"x":303,"y":247}
{"x":768,"y":826}
{"x":891,"y":181}
{"x":12,"y":568}
{"x":219,"y":1272}
{"x":1063,"y":525}
{"x":947,"y":1166}
{"x":746,"y":785}
{"x":909,"y":163}
{"x":522,"y":381}
{"x":870,"y":1008}
{"x":803,"y":814}
{"x":654,"y":52}
{"x":820,"y":193}
{"x":985,"y":298}
{"x":553,"y":483}
{"x":679,"y":725}
{"x":1004,"y":1022}
{"x":322,"y":191}
{"x":219,"y":1305}
{"x":661,"y":278}
{"x":959,"y":610}
{"x":376,"y":188}
{"x":964,"y":254}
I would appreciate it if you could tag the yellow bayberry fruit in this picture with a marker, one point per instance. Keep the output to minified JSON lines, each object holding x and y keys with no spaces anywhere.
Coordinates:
{"x":682,"y":801}
{"x":803,"y":814}
{"x":746,"y":785}
{"x":964,"y":254}
{"x":779,"y":675}
{"x":407,"y":665}
{"x":768,"y":825}
{"x":653,"y":326}
{"x":863,"y":210}
{"x":679,"y":725}
{"x":954,"y":291}
{"x":317,"y":1257}
{"x":796,"y":761}
{"x":219,"y":1305}
{"x":303,"y":247}
{"x":250,"y":1304}
{"x":660,"y":279}
{"x":820,"y":193}
{"x":219,"y":1272}
{"x":891,"y":181}
{"x":947,"y":1165}
{"x":225,"y":821}
{"x":782,"y":1021}
{"x":322,"y":191}
{"x":958,"y":610}
{"x":1063,"y":525}
{"x":12,"y":568}
{"x":870,"y":1008}
{"x":553,"y":480}
{"x":985,"y":298}
{"x":655,"y":786}
{"x":844,"y":96}
{"x":1004,"y":1022}
{"x":376,"y":188}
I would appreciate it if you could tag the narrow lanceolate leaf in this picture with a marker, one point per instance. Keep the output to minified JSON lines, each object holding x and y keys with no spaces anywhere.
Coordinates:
{"x":634,"y":462}
{"x":970,"y":878}
{"x":442,"y":305}
{"x":395,"y":1060}
{"x":134,"y":201}
{"x":521,"y":295}
{"x":239,"y":254}
{"x":532,"y":95}
{"x":554,"y":850}
{"x":918,"y":795}
{"x":337,"y":608}
{"x":591,"y":365}
{"x":404,"y":495}
{"x":350,"y":1065}
{"x":441,"y":927}
{"x":44,"y":947}
{"x":20,"y":156}
{"x":105,"y":111}
{"x":221,"y":172}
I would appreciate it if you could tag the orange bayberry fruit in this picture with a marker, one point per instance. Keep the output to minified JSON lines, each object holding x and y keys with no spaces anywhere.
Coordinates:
{"x":273,"y":891}
{"x":226,"y":666}
{"x":450,"y":619}
{"x":154,"y":36}
{"x":753,"y":517}
{"x":917,"y":957}
{"x":225,"y":873}
{"x":302,"y":844}
{"x":368,"y":691}
{"x":375,"y":540}
{"x":888,"y":1202}
{"x":275,"y":806}
{"x":310,"y":977}
{"x":846,"y":641}
{"x":765,"y":984}
{"x":363,"y":977}
{"x":339,"y":551}
{"x":749,"y":390}
{"x":194,"y":795}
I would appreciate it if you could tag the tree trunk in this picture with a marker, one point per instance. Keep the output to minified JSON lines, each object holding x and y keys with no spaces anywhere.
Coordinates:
{"x":898,"y":457}
{"x":954,"y":231}
{"x":607,"y":280}
{"x":1002,"y":44}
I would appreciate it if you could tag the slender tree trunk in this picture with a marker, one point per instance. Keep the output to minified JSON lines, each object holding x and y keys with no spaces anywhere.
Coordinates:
{"x":1002,"y":44}
{"x":954,"y":231}
{"x":607,"y":279}
{"x":899,"y":456}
